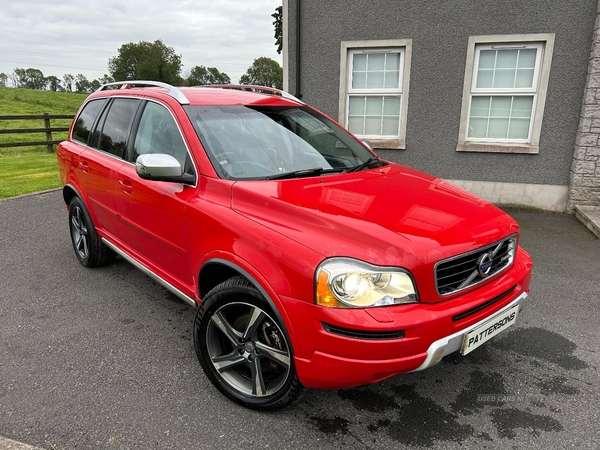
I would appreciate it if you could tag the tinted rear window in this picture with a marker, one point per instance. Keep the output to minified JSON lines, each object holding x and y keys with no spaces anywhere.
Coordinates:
{"x":115,"y":131}
{"x":85,"y":121}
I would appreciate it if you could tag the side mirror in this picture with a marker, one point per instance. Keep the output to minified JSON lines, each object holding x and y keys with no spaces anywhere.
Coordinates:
{"x":161,"y":167}
{"x":367,"y":143}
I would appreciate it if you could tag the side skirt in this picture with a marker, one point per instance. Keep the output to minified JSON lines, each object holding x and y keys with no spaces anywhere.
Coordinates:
{"x":151,"y":274}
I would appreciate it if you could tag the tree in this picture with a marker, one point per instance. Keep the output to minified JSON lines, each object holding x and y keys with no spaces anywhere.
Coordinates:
{"x":18,"y":77}
{"x":278,"y":24}
{"x":3,"y":79}
{"x":146,"y":61}
{"x":68,"y":80}
{"x":53,"y":83}
{"x":106,"y":79}
{"x":200,"y":75}
{"x":95,"y":85}
{"x":34,"y":79}
{"x":82,"y":84}
{"x":28,"y":78}
{"x":264,"y":72}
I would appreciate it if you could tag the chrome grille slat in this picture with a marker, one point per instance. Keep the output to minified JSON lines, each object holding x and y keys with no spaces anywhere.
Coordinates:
{"x":462,"y":271}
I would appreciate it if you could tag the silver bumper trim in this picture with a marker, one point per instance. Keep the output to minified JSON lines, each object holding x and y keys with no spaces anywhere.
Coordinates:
{"x":452,"y":343}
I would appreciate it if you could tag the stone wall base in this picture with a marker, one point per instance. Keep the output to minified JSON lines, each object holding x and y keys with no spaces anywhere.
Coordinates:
{"x":541,"y":196}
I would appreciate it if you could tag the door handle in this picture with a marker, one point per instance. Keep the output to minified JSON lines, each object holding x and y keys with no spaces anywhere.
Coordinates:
{"x":83,"y":165}
{"x":126,"y":186}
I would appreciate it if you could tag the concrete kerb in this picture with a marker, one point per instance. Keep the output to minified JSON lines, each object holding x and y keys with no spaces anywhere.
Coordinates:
{"x":29,"y":195}
{"x":9,"y":444}
{"x":590,"y":216}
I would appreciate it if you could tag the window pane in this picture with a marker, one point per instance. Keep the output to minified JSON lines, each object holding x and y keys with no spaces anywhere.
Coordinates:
{"x":478,"y":128}
{"x":519,"y":129}
{"x":356,"y":125}
{"x":117,"y":125}
{"x":498,"y":128}
{"x":504,"y":78}
{"x":374,"y":106}
{"x":522,"y":106}
{"x":391,"y":106}
{"x":527,"y":58}
{"x":360,"y":63}
{"x":158,"y":133}
{"x":392,"y":61}
{"x":392,"y":79}
{"x":524,"y":78}
{"x":359,"y":80}
{"x":375,"y":80}
{"x":487,"y":59}
{"x":506,"y":59}
{"x":373,"y":125}
{"x":480,"y":106}
{"x":390,"y":126}
{"x":500,"y":106}
{"x":376,"y":61}
{"x":356,"y":106}
{"x":85,"y":121}
{"x":485,"y":78}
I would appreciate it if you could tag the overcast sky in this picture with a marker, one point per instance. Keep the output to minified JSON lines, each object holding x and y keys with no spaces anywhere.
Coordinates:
{"x":79,"y":36}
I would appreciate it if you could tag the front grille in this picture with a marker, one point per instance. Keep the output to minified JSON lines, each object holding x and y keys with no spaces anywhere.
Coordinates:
{"x":361,"y":334}
{"x":469,"y":269}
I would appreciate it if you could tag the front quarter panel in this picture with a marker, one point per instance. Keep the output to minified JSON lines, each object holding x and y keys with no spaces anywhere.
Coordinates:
{"x":280,"y":266}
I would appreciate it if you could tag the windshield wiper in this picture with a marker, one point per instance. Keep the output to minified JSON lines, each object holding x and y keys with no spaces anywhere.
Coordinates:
{"x":302,"y":173}
{"x":363,"y":165}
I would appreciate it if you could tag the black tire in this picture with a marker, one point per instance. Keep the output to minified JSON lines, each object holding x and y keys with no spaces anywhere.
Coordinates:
{"x":242,"y":348}
{"x":89,"y":249}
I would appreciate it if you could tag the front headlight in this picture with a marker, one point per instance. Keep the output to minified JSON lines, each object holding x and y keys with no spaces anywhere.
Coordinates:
{"x":349,"y":283}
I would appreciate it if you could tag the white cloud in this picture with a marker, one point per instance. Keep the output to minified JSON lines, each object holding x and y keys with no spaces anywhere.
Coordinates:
{"x":79,"y":36}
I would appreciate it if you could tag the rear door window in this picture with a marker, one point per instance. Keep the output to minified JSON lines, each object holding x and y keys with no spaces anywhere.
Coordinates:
{"x":113,"y":130}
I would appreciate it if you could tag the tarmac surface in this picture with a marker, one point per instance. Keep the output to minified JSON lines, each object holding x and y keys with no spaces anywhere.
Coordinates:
{"x":103,"y":359}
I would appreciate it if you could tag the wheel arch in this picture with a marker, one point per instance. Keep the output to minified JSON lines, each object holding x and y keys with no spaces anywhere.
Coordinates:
{"x":68,"y":192}
{"x":217,"y":270}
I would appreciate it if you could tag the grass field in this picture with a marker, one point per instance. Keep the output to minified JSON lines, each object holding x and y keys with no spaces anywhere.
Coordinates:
{"x":30,"y":169}
{"x":28,"y":173}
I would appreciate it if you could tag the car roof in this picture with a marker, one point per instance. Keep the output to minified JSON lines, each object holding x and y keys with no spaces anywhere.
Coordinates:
{"x":219,"y":95}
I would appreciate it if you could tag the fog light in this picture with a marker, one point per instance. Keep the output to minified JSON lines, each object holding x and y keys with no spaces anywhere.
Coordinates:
{"x":437,"y":357}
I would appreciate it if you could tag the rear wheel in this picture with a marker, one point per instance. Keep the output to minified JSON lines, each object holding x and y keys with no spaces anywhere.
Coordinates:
{"x":243,"y":349}
{"x":90,"y":250}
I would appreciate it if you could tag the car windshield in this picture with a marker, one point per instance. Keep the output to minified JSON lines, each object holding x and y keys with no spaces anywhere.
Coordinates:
{"x":263,"y":142}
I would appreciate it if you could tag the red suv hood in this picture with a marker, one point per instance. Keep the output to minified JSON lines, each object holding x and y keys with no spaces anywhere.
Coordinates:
{"x":391,"y":216}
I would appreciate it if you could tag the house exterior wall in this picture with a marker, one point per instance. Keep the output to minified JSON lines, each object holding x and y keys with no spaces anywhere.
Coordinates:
{"x":439,"y":30}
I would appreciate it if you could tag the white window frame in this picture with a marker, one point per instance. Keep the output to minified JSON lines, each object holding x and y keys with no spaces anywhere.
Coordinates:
{"x":350,"y":48}
{"x":545,"y":45}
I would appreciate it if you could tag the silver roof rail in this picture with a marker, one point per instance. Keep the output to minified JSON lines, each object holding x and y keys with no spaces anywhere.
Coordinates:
{"x":171,"y":90}
{"x":282,"y":93}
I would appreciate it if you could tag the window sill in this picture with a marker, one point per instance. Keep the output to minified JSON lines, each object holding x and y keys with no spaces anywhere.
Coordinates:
{"x":497,"y":148}
{"x":388,"y":144}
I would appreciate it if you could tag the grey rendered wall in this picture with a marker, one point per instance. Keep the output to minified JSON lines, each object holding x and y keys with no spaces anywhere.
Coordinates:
{"x":440,"y":30}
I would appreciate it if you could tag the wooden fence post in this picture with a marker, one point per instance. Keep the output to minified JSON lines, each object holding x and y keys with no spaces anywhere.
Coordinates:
{"x":48,"y":133}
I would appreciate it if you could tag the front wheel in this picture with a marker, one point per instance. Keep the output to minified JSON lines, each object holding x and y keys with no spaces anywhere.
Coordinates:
{"x":243,"y":349}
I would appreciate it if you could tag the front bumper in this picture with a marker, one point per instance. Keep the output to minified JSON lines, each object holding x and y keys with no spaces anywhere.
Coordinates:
{"x":324,"y":370}
{"x":428,"y":332}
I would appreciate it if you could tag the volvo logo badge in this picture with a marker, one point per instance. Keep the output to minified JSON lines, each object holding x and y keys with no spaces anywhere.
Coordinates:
{"x":484,"y":264}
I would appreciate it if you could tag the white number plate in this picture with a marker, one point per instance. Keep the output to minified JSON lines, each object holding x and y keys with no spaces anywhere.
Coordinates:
{"x":489,"y":329}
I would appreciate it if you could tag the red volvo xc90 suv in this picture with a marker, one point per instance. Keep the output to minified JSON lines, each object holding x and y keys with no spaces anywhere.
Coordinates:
{"x":312,"y":261}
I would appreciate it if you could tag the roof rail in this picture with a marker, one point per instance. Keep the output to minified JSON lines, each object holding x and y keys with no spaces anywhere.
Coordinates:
{"x":171,"y":90}
{"x":252,"y":87}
